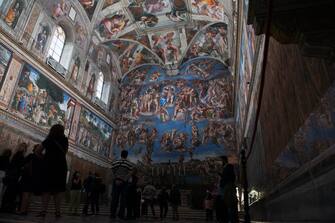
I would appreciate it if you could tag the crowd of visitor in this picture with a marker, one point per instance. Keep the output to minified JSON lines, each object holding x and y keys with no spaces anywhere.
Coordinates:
{"x":43,"y":172}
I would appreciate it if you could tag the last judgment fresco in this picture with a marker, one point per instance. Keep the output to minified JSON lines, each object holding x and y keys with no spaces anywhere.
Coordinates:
{"x":185,"y":116}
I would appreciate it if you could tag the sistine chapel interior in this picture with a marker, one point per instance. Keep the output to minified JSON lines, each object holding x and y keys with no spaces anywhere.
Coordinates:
{"x":178,"y":84}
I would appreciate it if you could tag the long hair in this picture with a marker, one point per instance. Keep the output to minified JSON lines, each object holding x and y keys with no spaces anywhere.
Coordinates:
{"x":56,"y":131}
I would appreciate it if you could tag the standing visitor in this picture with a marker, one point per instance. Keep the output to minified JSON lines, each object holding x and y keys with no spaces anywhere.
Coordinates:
{"x":209,"y":205}
{"x":228,"y":201}
{"x":4,"y":164}
{"x":163,"y":200}
{"x":75,"y":193}
{"x":148,"y":195}
{"x":11,"y":180}
{"x":138,"y":202}
{"x":31,"y":178}
{"x":55,"y":168}
{"x":97,"y":190}
{"x":121,"y":172}
{"x":88,"y":187}
{"x":132,"y":195}
{"x":175,"y":200}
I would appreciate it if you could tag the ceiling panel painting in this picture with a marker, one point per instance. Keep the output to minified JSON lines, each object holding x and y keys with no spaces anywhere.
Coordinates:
{"x":158,"y":13}
{"x":205,"y":9}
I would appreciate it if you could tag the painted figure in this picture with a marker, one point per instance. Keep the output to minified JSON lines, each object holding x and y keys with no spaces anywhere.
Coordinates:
{"x":112,"y":26}
{"x":41,"y":39}
{"x":14,"y":13}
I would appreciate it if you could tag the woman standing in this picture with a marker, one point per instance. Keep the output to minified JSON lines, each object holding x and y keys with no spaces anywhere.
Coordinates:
{"x":31,"y":177}
{"x":56,"y":146}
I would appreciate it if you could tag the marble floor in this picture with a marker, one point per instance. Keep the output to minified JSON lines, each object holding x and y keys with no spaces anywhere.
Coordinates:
{"x":9,"y":218}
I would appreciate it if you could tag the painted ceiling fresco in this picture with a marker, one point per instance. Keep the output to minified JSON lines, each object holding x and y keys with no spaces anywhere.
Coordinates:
{"x":176,"y":90}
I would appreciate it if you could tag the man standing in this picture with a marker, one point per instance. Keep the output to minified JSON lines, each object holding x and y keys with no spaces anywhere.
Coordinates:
{"x":228,"y":198}
{"x":121,"y":172}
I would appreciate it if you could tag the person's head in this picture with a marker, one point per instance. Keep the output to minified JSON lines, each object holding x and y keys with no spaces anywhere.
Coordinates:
{"x":7,"y":153}
{"x":38,"y":148}
{"x":124,"y":154}
{"x":56,"y":131}
{"x":224,"y":160}
{"x":76,"y":174}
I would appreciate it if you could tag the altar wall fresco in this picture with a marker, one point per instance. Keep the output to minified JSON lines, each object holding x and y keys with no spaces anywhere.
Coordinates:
{"x":182,"y":117}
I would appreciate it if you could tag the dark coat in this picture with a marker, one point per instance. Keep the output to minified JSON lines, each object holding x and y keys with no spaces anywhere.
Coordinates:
{"x":55,"y":164}
{"x":175,"y":197}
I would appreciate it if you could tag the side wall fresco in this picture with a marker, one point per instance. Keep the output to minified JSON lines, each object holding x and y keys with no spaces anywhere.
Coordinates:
{"x":32,"y":99}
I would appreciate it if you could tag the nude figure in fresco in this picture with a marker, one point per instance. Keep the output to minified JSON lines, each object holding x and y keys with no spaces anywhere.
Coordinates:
{"x":59,"y":9}
{"x":113,"y":25}
{"x":164,"y":114}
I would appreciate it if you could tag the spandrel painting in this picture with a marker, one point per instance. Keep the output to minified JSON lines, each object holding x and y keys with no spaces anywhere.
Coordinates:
{"x":40,"y":101}
{"x":131,"y":54}
{"x":5,"y":57}
{"x":89,"y":6}
{"x":94,"y":133}
{"x":211,"y":41}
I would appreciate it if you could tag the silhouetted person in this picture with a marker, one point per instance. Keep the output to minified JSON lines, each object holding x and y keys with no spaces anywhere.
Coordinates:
{"x":132,"y":195}
{"x":148,"y":195}
{"x":209,"y":206}
{"x":55,"y":168}
{"x":4,"y":164}
{"x":121,"y":172}
{"x":88,"y":187}
{"x":12,"y":177}
{"x":228,"y":201}
{"x":175,"y":200}
{"x":163,"y":201}
{"x":138,"y":202}
{"x":31,"y":178}
{"x":76,"y":187}
{"x":97,"y":190}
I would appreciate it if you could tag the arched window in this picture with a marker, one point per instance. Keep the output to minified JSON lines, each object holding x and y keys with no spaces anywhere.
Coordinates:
{"x":100,"y":85}
{"x":57,"y":44}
